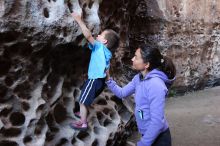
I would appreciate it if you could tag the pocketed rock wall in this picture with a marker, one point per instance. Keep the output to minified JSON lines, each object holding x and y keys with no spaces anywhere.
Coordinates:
{"x":43,"y":63}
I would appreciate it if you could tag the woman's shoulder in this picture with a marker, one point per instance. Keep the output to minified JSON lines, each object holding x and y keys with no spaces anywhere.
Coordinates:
{"x":136,"y":77}
{"x":156,"y":82}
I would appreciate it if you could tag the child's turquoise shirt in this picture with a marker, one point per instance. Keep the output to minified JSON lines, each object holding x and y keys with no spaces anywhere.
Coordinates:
{"x":99,"y":61}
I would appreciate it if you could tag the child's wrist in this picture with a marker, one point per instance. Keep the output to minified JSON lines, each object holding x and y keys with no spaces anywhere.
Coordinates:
{"x":79,"y":19}
{"x":108,"y":78}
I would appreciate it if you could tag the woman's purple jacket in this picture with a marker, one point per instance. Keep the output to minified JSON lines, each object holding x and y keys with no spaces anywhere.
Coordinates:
{"x":150,"y":94}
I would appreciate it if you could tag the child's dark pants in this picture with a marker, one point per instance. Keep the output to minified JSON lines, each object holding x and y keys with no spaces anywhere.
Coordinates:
{"x":91,"y":89}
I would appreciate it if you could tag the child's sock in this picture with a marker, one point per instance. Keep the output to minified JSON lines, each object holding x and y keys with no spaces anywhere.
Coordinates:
{"x":77,"y":114}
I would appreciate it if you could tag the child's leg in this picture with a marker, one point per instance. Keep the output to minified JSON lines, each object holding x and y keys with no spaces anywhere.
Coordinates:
{"x":91,"y":89}
{"x":86,"y":85}
{"x":82,"y":124}
{"x":83,"y":113}
{"x":95,"y":89}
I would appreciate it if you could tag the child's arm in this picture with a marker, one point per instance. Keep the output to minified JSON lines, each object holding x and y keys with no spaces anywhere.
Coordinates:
{"x":86,"y":32}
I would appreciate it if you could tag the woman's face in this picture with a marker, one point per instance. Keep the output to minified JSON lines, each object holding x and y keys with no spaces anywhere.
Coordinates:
{"x":138,"y":63}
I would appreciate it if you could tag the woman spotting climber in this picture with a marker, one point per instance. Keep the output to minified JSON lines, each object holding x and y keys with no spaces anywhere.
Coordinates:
{"x":150,"y":87}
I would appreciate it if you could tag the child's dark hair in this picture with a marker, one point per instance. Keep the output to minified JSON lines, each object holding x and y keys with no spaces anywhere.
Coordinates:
{"x":152,"y":55}
{"x":113,"y":39}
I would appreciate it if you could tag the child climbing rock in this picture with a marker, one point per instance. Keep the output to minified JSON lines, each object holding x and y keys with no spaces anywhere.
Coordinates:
{"x":101,"y":52}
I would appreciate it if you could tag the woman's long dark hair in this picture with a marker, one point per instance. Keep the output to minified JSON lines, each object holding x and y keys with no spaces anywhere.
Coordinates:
{"x":152,"y":55}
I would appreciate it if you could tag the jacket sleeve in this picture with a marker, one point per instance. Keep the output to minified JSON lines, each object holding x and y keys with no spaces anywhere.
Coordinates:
{"x":119,"y":91}
{"x":157,"y":95}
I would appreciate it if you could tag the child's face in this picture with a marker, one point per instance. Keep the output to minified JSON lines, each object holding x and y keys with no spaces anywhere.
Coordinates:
{"x":138,"y":63}
{"x":101,"y":37}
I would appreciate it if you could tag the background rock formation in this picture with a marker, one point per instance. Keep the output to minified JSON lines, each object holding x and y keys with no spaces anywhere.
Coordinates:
{"x":43,"y":62}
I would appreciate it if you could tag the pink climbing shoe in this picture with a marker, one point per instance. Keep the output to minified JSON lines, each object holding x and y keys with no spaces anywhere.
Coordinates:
{"x":79,"y":125}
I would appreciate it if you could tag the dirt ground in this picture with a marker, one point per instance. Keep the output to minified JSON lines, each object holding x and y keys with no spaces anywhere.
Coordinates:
{"x":194,"y":119}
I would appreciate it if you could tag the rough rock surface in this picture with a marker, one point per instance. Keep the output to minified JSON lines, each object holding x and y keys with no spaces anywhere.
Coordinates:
{"x":43,"y":65}
{"x":43,"y":62}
